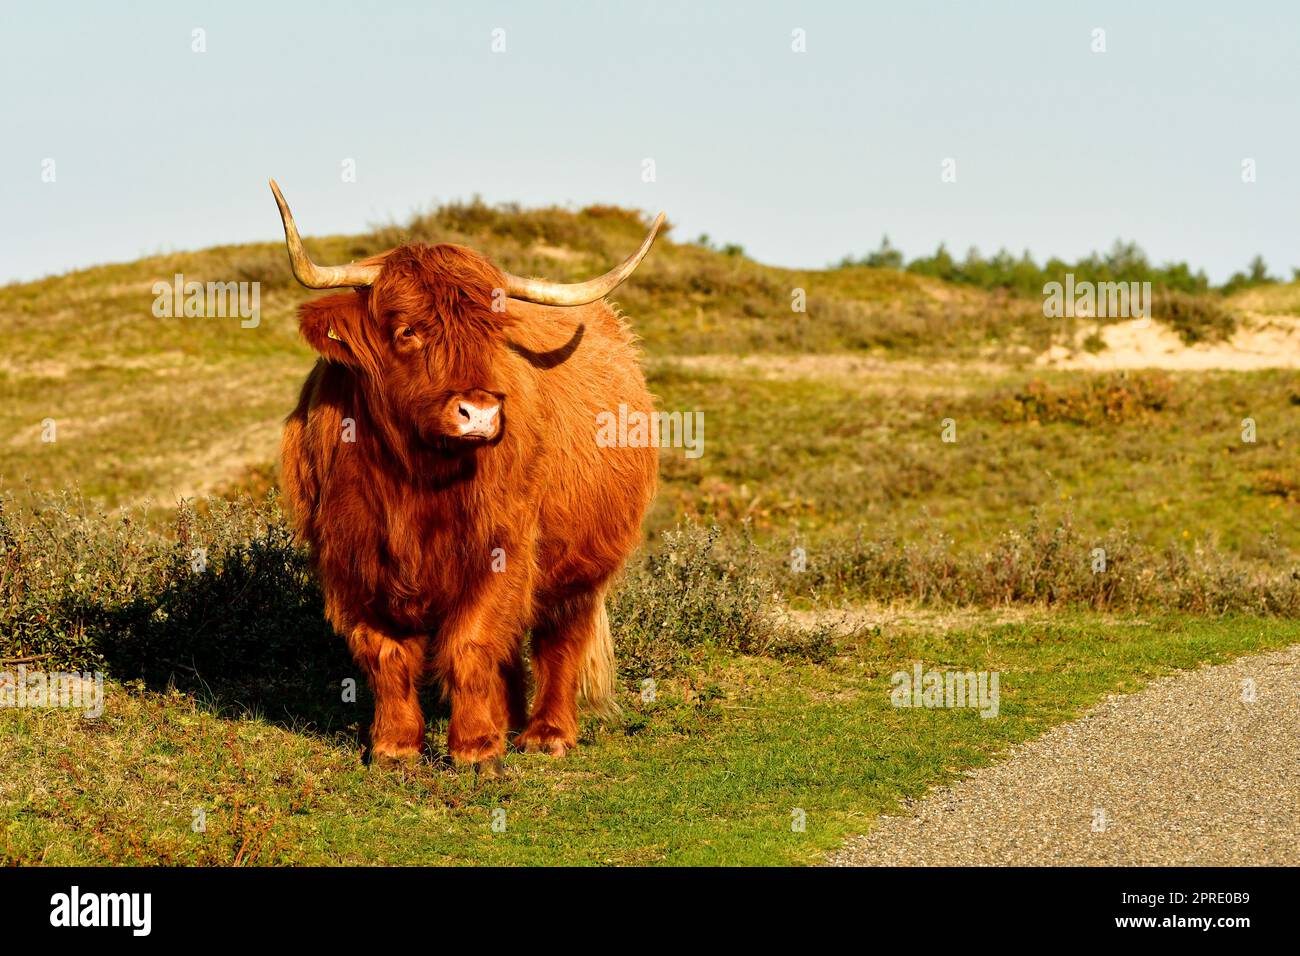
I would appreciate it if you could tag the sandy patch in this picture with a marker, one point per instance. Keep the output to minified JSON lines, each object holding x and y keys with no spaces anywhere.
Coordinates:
{"x":1261,"y":341}
{"x":817,"y":365}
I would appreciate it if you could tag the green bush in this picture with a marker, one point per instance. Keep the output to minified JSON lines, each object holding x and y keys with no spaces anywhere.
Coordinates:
{"x":1048,"y":562}
{"x":692,"y":594}
{"x":226,"y":605}
{"x":1196,"y":318}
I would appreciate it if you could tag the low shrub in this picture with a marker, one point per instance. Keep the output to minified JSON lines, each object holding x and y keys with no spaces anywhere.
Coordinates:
{"x":1048,"y":563}
{"x":226,"y":605}
{"x":1095,"y":400}
{"x":1196,"y":318}
{"x":692,"y":594}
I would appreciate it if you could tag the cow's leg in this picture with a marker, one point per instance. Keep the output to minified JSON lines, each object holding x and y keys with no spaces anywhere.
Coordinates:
{"x":393,"y":667}
{"x":478,"y":657}
{"x":559,"y":643}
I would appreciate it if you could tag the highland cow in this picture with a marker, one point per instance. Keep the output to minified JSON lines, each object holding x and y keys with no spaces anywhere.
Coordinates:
{"x":443,"y":468}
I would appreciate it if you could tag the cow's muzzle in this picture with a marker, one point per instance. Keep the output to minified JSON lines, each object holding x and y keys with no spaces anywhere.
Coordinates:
{"x":477,"y":420}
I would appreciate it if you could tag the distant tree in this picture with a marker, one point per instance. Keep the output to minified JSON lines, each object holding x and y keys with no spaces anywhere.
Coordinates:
{"x":1125,"y":261}
{"x":940,"y":265}
{"x":885,"y":257}
{"x":1257,"y":275}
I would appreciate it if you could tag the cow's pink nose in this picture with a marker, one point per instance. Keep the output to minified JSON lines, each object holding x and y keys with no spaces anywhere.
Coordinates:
{"x":477,"y":421}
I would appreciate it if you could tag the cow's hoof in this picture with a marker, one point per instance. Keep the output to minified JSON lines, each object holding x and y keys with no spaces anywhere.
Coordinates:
{"x":545,"y":740}
{"x":477,"y":751}
{"x":494,"y":768}
{"x":405,"y":757}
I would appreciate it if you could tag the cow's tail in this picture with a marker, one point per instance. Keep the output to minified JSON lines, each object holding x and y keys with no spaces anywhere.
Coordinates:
{"x":598,"y":680}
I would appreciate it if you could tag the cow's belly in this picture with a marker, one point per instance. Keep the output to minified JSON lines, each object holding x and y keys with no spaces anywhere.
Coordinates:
{"x":587,"y":530}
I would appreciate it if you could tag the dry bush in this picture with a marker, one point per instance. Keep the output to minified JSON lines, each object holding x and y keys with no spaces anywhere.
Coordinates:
{"x":1048,"y":562}
{"x":1097,"y":400}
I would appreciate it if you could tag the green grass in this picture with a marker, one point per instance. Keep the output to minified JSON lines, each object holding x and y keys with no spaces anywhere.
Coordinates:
{"x":708,"y":774}
{"x":804,"y":455}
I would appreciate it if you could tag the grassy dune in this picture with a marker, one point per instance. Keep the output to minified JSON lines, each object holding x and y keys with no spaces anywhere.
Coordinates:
{"x":824,"y":430}
{"x":166,"y":407}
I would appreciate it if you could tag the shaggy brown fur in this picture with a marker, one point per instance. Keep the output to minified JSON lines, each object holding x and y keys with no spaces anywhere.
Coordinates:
{"x":438,"y":551}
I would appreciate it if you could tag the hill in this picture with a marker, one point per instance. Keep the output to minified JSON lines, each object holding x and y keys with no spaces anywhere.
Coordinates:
{"x":817,"y":421}
{"x":909,"y":470}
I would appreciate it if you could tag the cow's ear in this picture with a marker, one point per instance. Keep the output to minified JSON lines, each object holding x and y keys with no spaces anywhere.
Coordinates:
{"x":332,"y":325}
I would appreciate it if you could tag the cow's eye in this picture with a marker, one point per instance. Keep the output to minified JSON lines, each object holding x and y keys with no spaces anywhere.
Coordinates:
{"x":408,"y":332}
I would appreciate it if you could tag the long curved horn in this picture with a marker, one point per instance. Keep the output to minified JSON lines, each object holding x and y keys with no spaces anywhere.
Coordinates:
{"x":352,"y":275}
{"x":544,"y":292}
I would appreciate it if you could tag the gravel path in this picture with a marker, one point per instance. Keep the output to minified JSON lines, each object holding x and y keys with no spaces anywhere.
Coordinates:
{"x":1185,"y":771}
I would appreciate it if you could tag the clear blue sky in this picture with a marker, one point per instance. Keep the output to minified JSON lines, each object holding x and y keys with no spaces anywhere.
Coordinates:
{"x":801,"y":158}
